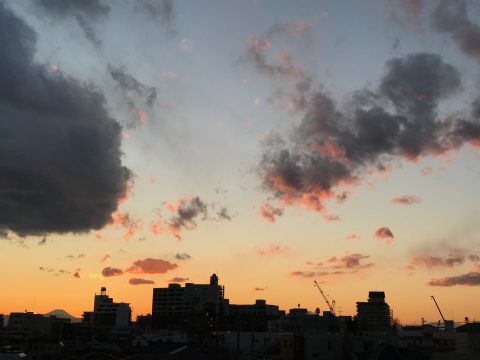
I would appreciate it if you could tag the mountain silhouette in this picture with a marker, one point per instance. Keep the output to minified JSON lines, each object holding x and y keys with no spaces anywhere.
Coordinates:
{"x":60,"y":313}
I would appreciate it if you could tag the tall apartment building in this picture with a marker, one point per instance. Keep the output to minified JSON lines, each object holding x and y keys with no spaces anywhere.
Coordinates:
{"x":374,"y":315}
{"x":107,"y":313}
{"x":177,"y":302}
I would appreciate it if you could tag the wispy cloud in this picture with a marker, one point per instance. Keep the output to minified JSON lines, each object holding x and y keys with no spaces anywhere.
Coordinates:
{"x":269,"y":212}
{"x":139,"y":281}
{"x":468,"y":279}
{"x":273,"y":249}
{"x":187,"y":213}
{"x":407,"y":200}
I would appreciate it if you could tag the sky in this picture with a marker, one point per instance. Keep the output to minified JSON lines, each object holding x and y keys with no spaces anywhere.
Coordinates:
{"x":273,"y":143}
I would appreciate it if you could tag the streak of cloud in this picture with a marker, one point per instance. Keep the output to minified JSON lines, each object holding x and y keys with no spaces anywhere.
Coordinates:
{"x":139,"y":281}
{"x":468,"y":279}
{"x":273,"y":249}
{"x":407,"y":200}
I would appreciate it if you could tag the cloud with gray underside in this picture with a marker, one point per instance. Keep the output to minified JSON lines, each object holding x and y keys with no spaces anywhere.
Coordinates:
{"x":85,"y":12}
{"x":61,"y":168}
{"x":337,"y":145}
{"x":468,"y":279}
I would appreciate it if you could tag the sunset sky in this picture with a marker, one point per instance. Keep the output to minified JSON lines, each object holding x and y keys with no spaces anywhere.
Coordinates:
{"x":271,"y":142}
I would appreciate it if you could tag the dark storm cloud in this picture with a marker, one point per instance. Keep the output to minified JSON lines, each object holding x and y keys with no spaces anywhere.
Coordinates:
{"x":451,"y":17}
{"x":60,"y":169}
{"x":334,"y":146}
{"x":158,"y":9}
{"x":111,"y":271}
{"x":84,"y":12}
{"x":468,"y":279}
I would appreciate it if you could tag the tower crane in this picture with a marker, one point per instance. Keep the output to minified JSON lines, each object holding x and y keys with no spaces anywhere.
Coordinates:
{"x":331,"y":306}
{"x":440,"y":311}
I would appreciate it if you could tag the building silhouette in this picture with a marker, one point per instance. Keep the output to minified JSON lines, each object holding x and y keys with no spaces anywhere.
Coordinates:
{"x":175,"y":303}
{"x":107,"y":313}
{"x":375,"y":314}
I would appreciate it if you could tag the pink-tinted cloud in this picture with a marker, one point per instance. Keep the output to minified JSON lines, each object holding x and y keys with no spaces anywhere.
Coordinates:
{"x":256,"y":56}
{"x":352,"y":237}
{"x":350,"y":261}
{"x":436,"y":261}
{"x":178,"y":280}
{"x":407,"y":200}
{"x":304,"y":274}
{"x":139,"y":281}
{"x":347,"y":264}
{"x":111,"y":271}
{"x":273,"y":249}
{"x":365,"y":135}
{"x":468,"y":279}
{"x":130,"y":225}
{"x":384,"y":234}
{"x":269,"y":212}
{"x":127,"y":193}
{"x":76,"y":274}
{"x":151,"y":266}
{"x":105,"y":258}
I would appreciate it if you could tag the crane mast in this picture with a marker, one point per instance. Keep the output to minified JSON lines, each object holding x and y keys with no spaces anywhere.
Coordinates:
{"x":330,"y":306}
{"x":440,"y":311}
